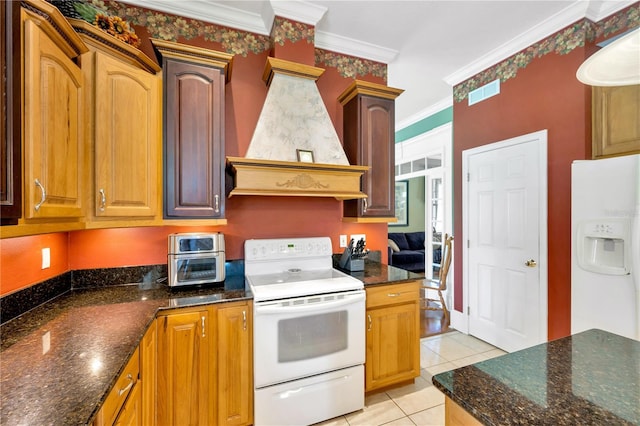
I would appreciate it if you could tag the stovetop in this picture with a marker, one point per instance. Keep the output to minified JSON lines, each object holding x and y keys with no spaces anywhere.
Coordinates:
{"x":293,"y":267}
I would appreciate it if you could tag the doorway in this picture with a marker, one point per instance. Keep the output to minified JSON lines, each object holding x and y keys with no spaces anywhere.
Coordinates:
{"x":505,"y":241}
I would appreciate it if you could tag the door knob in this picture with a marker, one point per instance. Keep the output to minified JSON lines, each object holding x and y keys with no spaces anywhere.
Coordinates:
{"x":531,"y":263}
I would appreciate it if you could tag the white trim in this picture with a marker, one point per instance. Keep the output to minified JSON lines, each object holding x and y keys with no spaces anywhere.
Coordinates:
{"x":214,"y":12}
{"x":427,"y":112}
{"x":574,"y":12}
{"x":301,"y":11}
{"x":352,"y":47}
{"x":543,"y":264}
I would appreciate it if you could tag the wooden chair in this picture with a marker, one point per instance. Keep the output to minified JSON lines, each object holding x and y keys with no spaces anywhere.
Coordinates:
{"x":440,"y":284}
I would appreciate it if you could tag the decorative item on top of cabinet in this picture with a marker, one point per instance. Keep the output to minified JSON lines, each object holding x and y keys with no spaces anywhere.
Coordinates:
{"x":123,"y":138}
{"x":369,"y":140}
{"x":393,"y":334}
{"x":616,"y":120}
{"x":53,"y":125}
{"x":10,"y":129}
{"x":193,"y":116}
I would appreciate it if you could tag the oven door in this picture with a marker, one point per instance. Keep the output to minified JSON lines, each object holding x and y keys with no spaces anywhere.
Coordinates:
{"x":300,"y":337}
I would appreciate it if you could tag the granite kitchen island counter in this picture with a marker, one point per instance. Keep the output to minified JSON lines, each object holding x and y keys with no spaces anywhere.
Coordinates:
{"x":590,"y":378}
{"x":60,"y":360}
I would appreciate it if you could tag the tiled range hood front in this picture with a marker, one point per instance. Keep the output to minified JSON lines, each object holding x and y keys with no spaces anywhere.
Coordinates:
{"x":294,"y":118}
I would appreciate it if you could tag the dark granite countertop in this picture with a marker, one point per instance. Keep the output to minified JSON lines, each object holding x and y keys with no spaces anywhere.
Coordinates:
{"x":376,"y":273}
{"x":590,"y":378}
{"x":92,"y":333}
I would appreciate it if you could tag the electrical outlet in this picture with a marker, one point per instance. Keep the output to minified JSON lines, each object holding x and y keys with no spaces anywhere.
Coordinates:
{"x":46,"y":342}
{"x":343,"y":240}
{"x":46,"y":258}
{"x":358,"y":237}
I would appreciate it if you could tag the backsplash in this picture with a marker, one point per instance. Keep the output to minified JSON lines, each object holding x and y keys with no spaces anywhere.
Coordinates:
{"x":17,"y":303}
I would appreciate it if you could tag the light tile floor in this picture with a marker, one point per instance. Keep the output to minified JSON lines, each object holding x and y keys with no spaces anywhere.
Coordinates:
{"x":420,"y":403}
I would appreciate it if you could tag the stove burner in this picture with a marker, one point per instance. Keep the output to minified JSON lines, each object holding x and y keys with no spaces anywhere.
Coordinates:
{"x":294,"y":270}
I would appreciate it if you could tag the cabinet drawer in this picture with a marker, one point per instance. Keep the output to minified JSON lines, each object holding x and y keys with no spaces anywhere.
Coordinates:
{"x":121,"y":389}
{"x":392,"y":294}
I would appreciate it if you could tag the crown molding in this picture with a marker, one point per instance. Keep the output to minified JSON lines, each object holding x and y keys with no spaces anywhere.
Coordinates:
{"x":214,"y":12}
{"x":357,"y":48}
{"x":600,"y":9}
{"x":560,"y":20}
{"x":427,"y":112}
{"x":595,"y":11}
{"x":300,"y":11}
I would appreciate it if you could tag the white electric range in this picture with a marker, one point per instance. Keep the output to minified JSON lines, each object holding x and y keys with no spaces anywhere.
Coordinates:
{"x":309,"y":332}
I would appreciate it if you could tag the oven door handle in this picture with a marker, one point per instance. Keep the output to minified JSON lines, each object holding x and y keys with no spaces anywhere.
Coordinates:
{"x":317,"y":306}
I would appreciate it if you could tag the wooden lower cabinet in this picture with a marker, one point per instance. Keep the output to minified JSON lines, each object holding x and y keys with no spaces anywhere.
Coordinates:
{"x":131,"y":413}
{"x":393,"y":335}
{"x":184,"y":380}
{"x":455,"y":415}
{"x":235,"y":365}
{"x":148,"y":374}
{"x":123,"y":402}
{"x":205,"y":365}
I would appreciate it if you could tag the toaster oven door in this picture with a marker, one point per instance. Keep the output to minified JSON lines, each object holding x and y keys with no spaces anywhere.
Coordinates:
{"x":195,"y":269}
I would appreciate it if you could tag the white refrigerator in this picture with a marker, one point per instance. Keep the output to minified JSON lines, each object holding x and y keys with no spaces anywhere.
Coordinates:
{"x":605,"y":245}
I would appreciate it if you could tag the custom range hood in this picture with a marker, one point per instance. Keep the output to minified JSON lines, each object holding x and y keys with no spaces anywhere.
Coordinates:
{"x":295,"y":150}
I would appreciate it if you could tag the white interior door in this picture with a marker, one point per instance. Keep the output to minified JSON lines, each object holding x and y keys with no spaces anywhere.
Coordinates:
{"x":505,"y":217}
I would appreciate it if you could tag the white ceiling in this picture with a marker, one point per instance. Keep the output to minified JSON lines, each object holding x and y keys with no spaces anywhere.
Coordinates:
{"x":429,"y":45}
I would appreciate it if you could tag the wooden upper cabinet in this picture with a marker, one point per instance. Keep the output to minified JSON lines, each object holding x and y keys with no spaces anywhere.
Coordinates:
{"x":194,"y":155}
{"x":10,"y":118}
{"x":369,"y":140}
{"x":126,"y":139}
{"x":123,"y":144}
{"x":53,"y":125}
{"x":616,"y":121}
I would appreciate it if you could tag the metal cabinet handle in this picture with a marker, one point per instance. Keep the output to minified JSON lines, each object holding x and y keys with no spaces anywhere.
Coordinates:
{"x":216,"y":203}
{"x":103,"y":200}
{"x":203,"y":333}
{"x":43,"y":196}
{"x":365,"y":205}
{"x":244,"y":320}
{"x":369,"y":320}
{"x":126,"y":388}
{"x":531,"y":263}
{"x":393,"y":294}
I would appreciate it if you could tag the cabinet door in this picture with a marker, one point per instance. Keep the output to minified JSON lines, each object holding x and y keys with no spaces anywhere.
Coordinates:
{"x":126,"y":139}
{"x":10,"y":128}
{"x":392,"y":345}
{"x":193,"y":140}
{"x":148,"y":382}
{"x":369,"y":141}
{"x":183,"y":369}
{"x":235,"y":370}
{"x":616,"y":126}
{"x":52,"y":128}
{"x":378,"y":152}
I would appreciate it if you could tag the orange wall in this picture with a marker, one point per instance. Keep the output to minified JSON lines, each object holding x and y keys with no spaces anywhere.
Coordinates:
{"x":21,"y":260}
{"x":248,"y":216}
{"x":544,"y":95}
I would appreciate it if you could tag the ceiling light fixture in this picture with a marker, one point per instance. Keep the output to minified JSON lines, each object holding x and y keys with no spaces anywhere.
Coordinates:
{"x":617,"y":64}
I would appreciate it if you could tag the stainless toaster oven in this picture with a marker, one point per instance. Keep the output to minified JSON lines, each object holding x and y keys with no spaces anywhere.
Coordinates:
{"x":195,"y":258}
